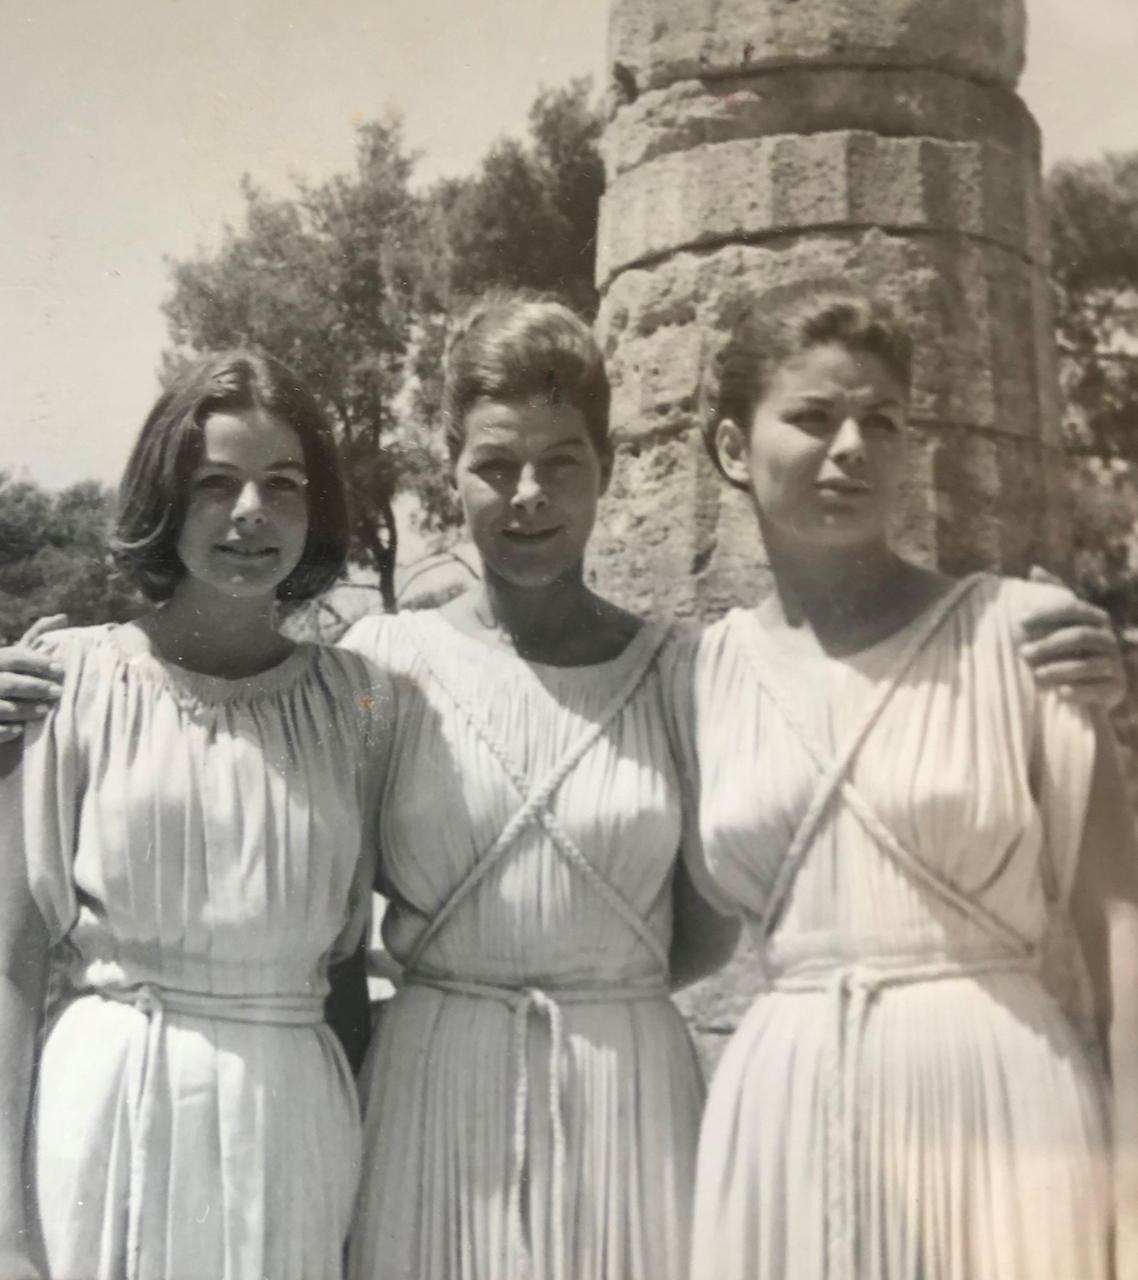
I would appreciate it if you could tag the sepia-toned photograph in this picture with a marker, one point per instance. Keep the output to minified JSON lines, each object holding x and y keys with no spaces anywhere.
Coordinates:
{"x":569,"y":640}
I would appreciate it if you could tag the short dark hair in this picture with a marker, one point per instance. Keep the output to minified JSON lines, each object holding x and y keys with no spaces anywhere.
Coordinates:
{"x":513,"y":344}
{"x":789,"y":320}
{"x":154,"y":492}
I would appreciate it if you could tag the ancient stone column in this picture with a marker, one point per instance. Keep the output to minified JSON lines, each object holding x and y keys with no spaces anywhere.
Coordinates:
{"x":752,"y":142}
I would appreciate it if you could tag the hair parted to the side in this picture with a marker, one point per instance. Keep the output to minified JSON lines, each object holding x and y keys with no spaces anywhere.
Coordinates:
{"x":789,"y":320}
{"x":154,"y":492}
{"x":515,"y":344}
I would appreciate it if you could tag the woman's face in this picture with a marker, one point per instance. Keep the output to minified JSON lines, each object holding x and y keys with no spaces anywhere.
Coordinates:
{"x":823,"y":453}
{"x":246,"y":521}
{"x":529,"y":478}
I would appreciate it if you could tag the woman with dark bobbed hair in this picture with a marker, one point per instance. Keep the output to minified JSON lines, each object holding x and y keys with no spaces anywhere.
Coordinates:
{"x":194,"y":843}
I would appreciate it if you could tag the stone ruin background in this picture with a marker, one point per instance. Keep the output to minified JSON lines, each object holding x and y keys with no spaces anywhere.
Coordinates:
{"x":753,"y":142}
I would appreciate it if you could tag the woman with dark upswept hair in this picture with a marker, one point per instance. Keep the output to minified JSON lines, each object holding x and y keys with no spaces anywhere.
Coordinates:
{"x":909,"y":824}
{"x":195,"y":842}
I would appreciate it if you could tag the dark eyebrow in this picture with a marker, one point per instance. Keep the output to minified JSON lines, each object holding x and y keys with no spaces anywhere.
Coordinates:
{"x":488,"y":448}
{"x":812,"y":397}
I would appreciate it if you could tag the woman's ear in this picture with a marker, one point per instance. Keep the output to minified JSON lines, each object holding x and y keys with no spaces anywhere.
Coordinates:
{"x":731,"y":448}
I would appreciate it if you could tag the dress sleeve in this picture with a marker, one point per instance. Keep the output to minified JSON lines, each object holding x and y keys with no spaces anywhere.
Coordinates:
{"x":364,"y":637}
{"x":53,"y":785}
{"x":370,"y":704}
{"x":1062,"y":744}
{"x":1061,"y":759}
{"x":678,"y":669}
{"x":1062,"y":765}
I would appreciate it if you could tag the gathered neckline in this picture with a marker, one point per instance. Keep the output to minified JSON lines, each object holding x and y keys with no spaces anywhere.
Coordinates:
{"x":217,"y":689}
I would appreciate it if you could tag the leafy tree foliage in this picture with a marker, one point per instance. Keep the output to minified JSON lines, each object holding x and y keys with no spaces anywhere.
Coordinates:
{"x":1094,"y":230}
{"x":325,"y":281}
{"x":529,"y":217}
{"x":53,"y":557}
{"x":351,"y":282}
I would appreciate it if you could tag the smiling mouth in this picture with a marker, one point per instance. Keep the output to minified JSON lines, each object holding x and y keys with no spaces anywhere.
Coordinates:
{"x":248,"y":554}
{"x":531,"y":536}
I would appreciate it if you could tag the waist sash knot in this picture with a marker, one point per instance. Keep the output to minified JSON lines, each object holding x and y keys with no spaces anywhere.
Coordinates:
{"x":155,"y":1003}
{"x":524,"y":1002}
{"x":850,"y":990}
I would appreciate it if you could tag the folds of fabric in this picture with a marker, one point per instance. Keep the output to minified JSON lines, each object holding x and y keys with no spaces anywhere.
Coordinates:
{"x":200,"y":849}
{"x":532,"y":1096}
{"x":906,"y":1100}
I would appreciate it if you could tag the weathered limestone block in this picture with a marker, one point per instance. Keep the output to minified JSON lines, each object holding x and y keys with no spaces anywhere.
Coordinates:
{"x":892,"y":103}
{"x":992,"y":499}
{"x":655,"y":42}
{"x":760,"y":187}
{"x":674,"y":539}
{"x":978,"y":313}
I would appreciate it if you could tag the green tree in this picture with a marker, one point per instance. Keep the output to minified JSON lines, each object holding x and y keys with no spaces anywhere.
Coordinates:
{"x":529,"y":216}
{"x":54,"y":557}
{"x":1093,"y":209}
{"x":327,"y":281}
{"x":351,"y":282}
{"x":1094,"y":266}
{"x":526,"y":219}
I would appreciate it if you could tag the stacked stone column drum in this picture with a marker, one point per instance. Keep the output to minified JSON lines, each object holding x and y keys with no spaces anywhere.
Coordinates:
{"x":754,"y":142}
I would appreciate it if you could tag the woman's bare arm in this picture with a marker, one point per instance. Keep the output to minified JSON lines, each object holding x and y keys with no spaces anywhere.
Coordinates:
{"x":1104,"y":908}
{"x":702,"y":939}
{"x":23,"y":976}
{"x":29,"y":681}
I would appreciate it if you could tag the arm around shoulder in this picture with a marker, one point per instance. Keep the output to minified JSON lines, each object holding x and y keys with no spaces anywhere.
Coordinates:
{"x":24,"y":944}
{"x":1068,"y":643}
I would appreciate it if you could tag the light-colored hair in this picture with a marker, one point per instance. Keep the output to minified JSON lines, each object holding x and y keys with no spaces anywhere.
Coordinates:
{"x":515,"y":344}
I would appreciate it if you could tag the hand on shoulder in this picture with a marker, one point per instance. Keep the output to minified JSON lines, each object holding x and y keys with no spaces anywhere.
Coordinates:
{"x":29,"y":679}
{"x":1069,"y":643}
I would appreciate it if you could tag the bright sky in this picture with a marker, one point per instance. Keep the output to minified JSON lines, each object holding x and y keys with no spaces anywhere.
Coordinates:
{"x":129,"y":123}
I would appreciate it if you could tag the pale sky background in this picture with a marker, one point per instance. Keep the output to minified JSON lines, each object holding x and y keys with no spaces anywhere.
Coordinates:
{"x":127,"y":125}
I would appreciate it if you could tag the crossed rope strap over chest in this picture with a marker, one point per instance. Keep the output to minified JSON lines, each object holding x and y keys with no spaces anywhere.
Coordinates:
{"x":528,"y":1000}
{"x":851,"y":987}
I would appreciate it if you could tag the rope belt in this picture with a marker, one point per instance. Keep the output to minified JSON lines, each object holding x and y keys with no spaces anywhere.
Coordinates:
{"x":850,"y":990}
{"x":155,"y":1003}
{"x":525,"y":1001}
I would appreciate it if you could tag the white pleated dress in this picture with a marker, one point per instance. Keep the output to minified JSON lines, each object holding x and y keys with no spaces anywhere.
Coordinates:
{"x":906,"y":1100}
{"x":201,"y":848}
{"x":532,"y":1096}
